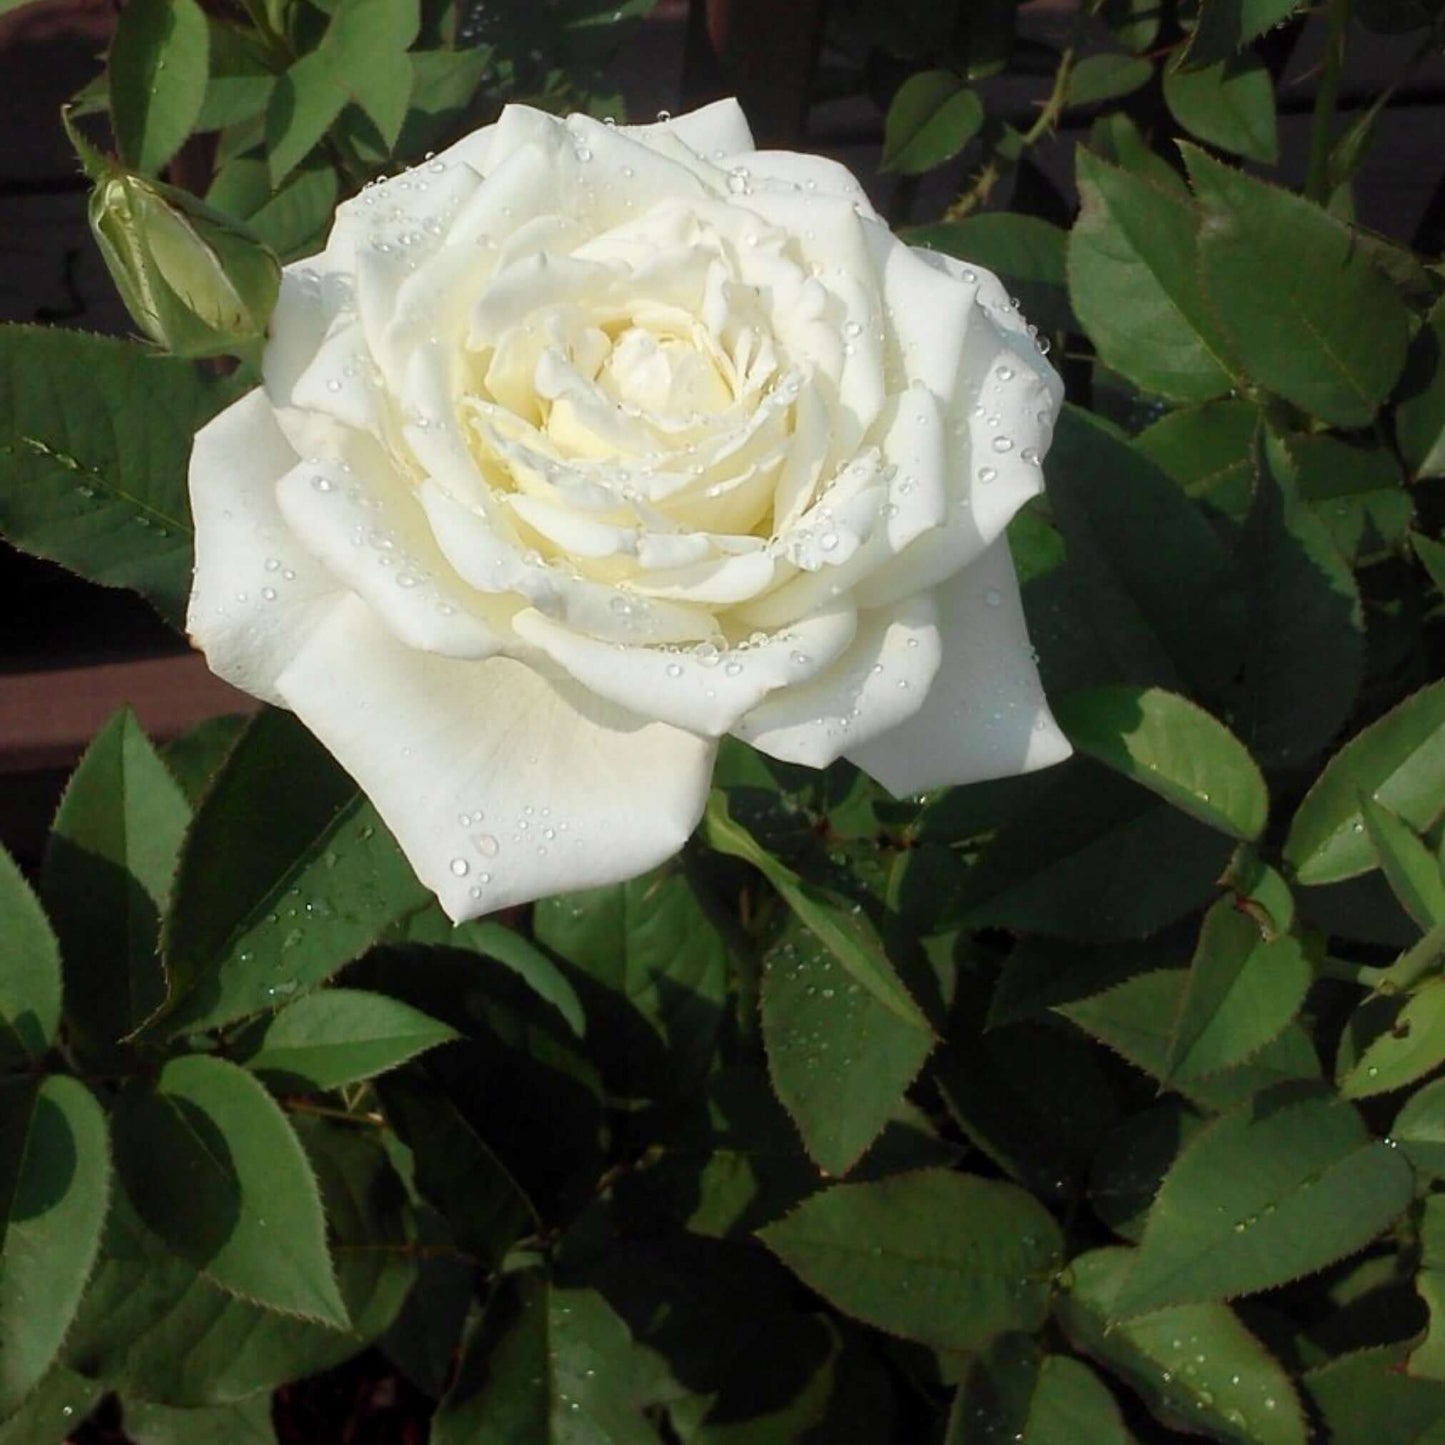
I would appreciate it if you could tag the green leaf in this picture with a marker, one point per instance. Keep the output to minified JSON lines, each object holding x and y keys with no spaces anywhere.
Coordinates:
{"x":1114,"y":137}
{"x":51,"y":1412}
{"x":1432,"y":558}
{"x":650,"y":968}
{"x":236,"y":1196}
{"x":735,"y":1164}
{"x":1132,"y":1162}
{"x":368,"y":40}
{"x":497,"y":942}
{"x":339,"y":1036}
{"x":1419,"y":1128}
{"x":1225,"y":26}
{"x":948,"y":1259}
{"x":543,"y":1143}
{"x":107,"y":879}
{"x":1040,"y":973}
{"x":30,"y":975}
{"x":1033,"y":1097}
{"x":1356,"y":491}
{"x":1420,"y":399}
{"x":155,"y":1328}
{"x":842,"y":928}
{"x":1081,"y":862}
{"x":304,"y":105}
{"x":839,"y":1060}
{"x":194,"y":758}
{"x":1026,"y":253}
{"x":286,"y":875}
{"x":457,"y":1170}
{"x":1399,"y":761}
{"x":1134,"y":283}
{"x":1391,"y":1042}
{"x":1242,"y":993}
{"x":1106,"y":77}
{"x":1136,"y":1019}
{"x":54,"y":1187}
{"x":1229,"y":104}
{"x":1303,"y":662}
{"x":546,"y":1365}
{"x":294,"y":220}
{"x":1014,"y":1391}
{"x":241,"y":79}
{"x":443,"y":83}
{"x":1262,"y":893}
{"x":797,"y":1379}
{"x":159,"y":61}
{"x":1133,"y":23}
{"x":1303,"y":308}
{"x":1412,"y":870}
{"x":1280,"y":1187}
{"x":360,"y":58}
{"x":1196,"y":1366}
{"x":1180,"y":627}
{"x":1366,"y":1398}
{"x":1208,"y":450}
{"x":1172,"y":747}
{"x":932,"y":117}
{"x":95,"y":434}
{"x":245,"y":1423}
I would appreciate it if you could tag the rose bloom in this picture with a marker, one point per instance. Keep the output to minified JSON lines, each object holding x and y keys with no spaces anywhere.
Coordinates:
{"x":580,"y":446}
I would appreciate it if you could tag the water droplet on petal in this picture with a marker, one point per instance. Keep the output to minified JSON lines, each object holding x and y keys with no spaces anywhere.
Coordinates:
{"x":460,"y":867}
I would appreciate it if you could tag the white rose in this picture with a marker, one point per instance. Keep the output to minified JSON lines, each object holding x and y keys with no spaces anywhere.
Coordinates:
{"x":580,"y":446}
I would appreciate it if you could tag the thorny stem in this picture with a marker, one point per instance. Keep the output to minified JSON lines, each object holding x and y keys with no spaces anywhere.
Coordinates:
{"x":1347,"y":972}
{"x":325,"y":1111}
{"x":1317,"y":177}
{"x":1001,"y":162}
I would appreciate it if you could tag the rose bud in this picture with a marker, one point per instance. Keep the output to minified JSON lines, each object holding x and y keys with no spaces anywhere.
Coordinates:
{"x":196,"y":281}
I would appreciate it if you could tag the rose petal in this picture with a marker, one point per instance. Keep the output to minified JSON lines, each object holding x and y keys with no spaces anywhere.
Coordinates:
{"x":257,"y":593}
{"x":985,"y":716}
{"x":879,"y":681}
{"x":315,"y":297}
{"x":478,"y":543}
{"x":359,"y":522}
{"x":931,"y":312}
{"x":719,"y":127}
{"x":793,"y":170}
{"x":704,"y":689}
{"x":985,"y":485}
{"x":462,"y":164}
{"x":560,"y":790}
{"x":915,"y":444}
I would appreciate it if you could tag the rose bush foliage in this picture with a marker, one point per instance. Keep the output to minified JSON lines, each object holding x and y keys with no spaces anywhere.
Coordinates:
{"x":580,"y":446}
{"x":1097,"y":1105}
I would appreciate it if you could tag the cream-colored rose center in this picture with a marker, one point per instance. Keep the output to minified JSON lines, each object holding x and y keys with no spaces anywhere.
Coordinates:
{"x":663,"y":375}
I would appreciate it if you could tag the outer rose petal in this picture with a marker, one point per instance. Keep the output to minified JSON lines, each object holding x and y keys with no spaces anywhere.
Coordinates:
{"x":986,"y":716}
{"x":719,"y":127}
{"x":882,"y":679}
{"x":257,"y":593}
{"x":560,"y":789}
